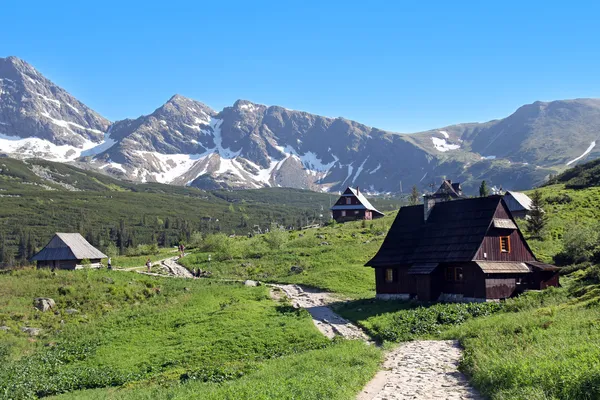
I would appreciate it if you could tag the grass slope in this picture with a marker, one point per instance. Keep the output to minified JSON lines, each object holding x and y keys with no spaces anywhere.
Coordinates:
{"x":168,"y":336}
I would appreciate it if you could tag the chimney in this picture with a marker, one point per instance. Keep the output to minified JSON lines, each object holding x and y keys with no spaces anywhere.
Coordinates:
{"x":357,"y":190}
{"x":428,"y":203}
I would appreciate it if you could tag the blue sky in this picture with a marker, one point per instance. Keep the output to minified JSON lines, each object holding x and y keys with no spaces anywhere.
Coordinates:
{"x":403,"y":66}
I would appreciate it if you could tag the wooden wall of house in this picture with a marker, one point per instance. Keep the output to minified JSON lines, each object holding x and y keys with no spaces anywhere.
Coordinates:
{"x":342,"y":201}
{"x":351,"y":215}
{"x":473,"y":284}
{"x":423,"y":288}
{"x":490,"y":247}
{"x":500,"y":286}
{"x":402,"y":281}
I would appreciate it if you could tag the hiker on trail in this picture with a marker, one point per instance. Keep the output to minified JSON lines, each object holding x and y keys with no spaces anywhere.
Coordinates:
{"x":149,"y":265}
{"x":194,"y":272}
{"x":181,"y":250}
{"x":109,"y":262}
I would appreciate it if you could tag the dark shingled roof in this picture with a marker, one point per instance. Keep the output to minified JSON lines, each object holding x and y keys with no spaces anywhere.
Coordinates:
{"x":68,"y":246}
{"x":453,"y":232}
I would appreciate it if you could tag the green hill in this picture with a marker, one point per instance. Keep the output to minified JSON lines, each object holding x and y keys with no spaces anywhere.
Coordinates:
{"x":40,"y":197}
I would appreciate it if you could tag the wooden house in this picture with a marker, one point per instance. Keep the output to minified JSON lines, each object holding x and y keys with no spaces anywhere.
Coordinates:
{"x":67,"y":251}
{"x":448,"y":191}
{"x":461,"y":250}
{"x":353,"y":205}
{"x":518,"y":203}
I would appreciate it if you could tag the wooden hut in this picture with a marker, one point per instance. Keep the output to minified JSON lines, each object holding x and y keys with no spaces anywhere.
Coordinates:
{"x":67,"y":251}
{"x":353,"y":205}
{"x":461,"y":250}
{"x":518,"y":203}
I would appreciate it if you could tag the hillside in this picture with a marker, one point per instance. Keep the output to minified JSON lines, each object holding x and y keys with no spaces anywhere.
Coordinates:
{"x":247,"y":344}
{"x":41,"y":197}
{"x":247,"y":145}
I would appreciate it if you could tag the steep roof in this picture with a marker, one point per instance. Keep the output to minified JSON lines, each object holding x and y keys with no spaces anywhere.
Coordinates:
{"x":361,"y":198}
{"x":68,"y":246}
{"x":448,"y":189}
{"x":521,"y":198}
{"x":453,"y":232}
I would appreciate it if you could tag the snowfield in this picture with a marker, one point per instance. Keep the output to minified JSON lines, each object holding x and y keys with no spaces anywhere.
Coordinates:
{"x":585,"y":153}
{"x":442,"y":145}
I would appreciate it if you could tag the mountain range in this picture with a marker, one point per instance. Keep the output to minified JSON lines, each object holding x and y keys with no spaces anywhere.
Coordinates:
{"x":249,"y":145}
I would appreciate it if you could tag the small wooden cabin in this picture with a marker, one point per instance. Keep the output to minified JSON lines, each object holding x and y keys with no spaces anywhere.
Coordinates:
{"x":461,"y":250}
{"x":67,"y":251}
{"x":518,"y":203}
{"x":353,"y":205}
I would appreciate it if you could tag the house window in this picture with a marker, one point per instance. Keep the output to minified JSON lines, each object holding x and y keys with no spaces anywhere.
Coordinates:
{"x":458,"y":274}
{"x":505,"y":244}
{"x":348,"y":200}
{"x":389,"y":275}
{"x":356,"y":212}
{"x":454,"y":274}
{"x":343,"y":213}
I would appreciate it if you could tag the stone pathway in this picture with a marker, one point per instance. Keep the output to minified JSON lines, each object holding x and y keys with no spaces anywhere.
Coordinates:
{"x":175,"y":269}
{"x":423,"y":369}
{"x":316,"y":303}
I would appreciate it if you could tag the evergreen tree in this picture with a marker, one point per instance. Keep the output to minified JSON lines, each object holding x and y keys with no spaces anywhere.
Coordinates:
{"x":414,"y":196}
{"x":484,"y":191}
{"x":537,"y":217}
{"x":22,"y":253}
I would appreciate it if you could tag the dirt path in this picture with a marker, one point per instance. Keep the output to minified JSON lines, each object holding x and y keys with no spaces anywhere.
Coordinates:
{"x":170,"y":265}
{"x":316,"y":303}
{"x":423,"y":369}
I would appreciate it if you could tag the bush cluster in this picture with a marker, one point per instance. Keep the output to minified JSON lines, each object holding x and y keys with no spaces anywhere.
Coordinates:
{"x":408,"y":324}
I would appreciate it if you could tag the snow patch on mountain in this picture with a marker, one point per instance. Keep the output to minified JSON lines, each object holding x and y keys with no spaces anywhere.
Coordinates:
{"x":585,"y":153}
{"x":442,"y":145}
{"x":106,"y":144}
{"x":48,"y":99}
{"x":359,"y":170}
{"x":72,"y":107}
{"x":376,"y":169}
{"x":171,"y":166}
{"x":36,"y":147}
{"x":67,"y":124}
{"x":446,"y":135}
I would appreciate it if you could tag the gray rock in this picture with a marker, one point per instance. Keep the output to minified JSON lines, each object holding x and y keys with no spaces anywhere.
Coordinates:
{"x":251,"y":283}
{"x":324,"y":244}
{"x":44,"y":303}
{"x":31,"y":331}
{"x":71,"y":311}
{"x":4,"y":328}
{"x":296,"y":269}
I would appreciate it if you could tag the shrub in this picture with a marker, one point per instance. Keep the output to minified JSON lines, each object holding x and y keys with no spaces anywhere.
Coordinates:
{"x":276,"y":238}
{"x":579,"y":243}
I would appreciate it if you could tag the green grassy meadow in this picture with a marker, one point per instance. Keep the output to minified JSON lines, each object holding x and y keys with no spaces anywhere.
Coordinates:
{"x":143,"y":336}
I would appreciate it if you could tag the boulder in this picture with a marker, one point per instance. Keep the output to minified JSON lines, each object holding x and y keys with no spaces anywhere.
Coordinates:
{"x":296,"y":269}
{"x":251,"y":283}
{"x":324,"y":244}
{"x":31,"y":331}
{"x":44,"y":303}
{"x":320,"y":237}
{"x":71,"y":311}
{"x":4,"y":328}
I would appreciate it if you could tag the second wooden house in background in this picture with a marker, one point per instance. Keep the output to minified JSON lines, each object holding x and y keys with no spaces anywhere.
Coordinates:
{"x":352,"y":206}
